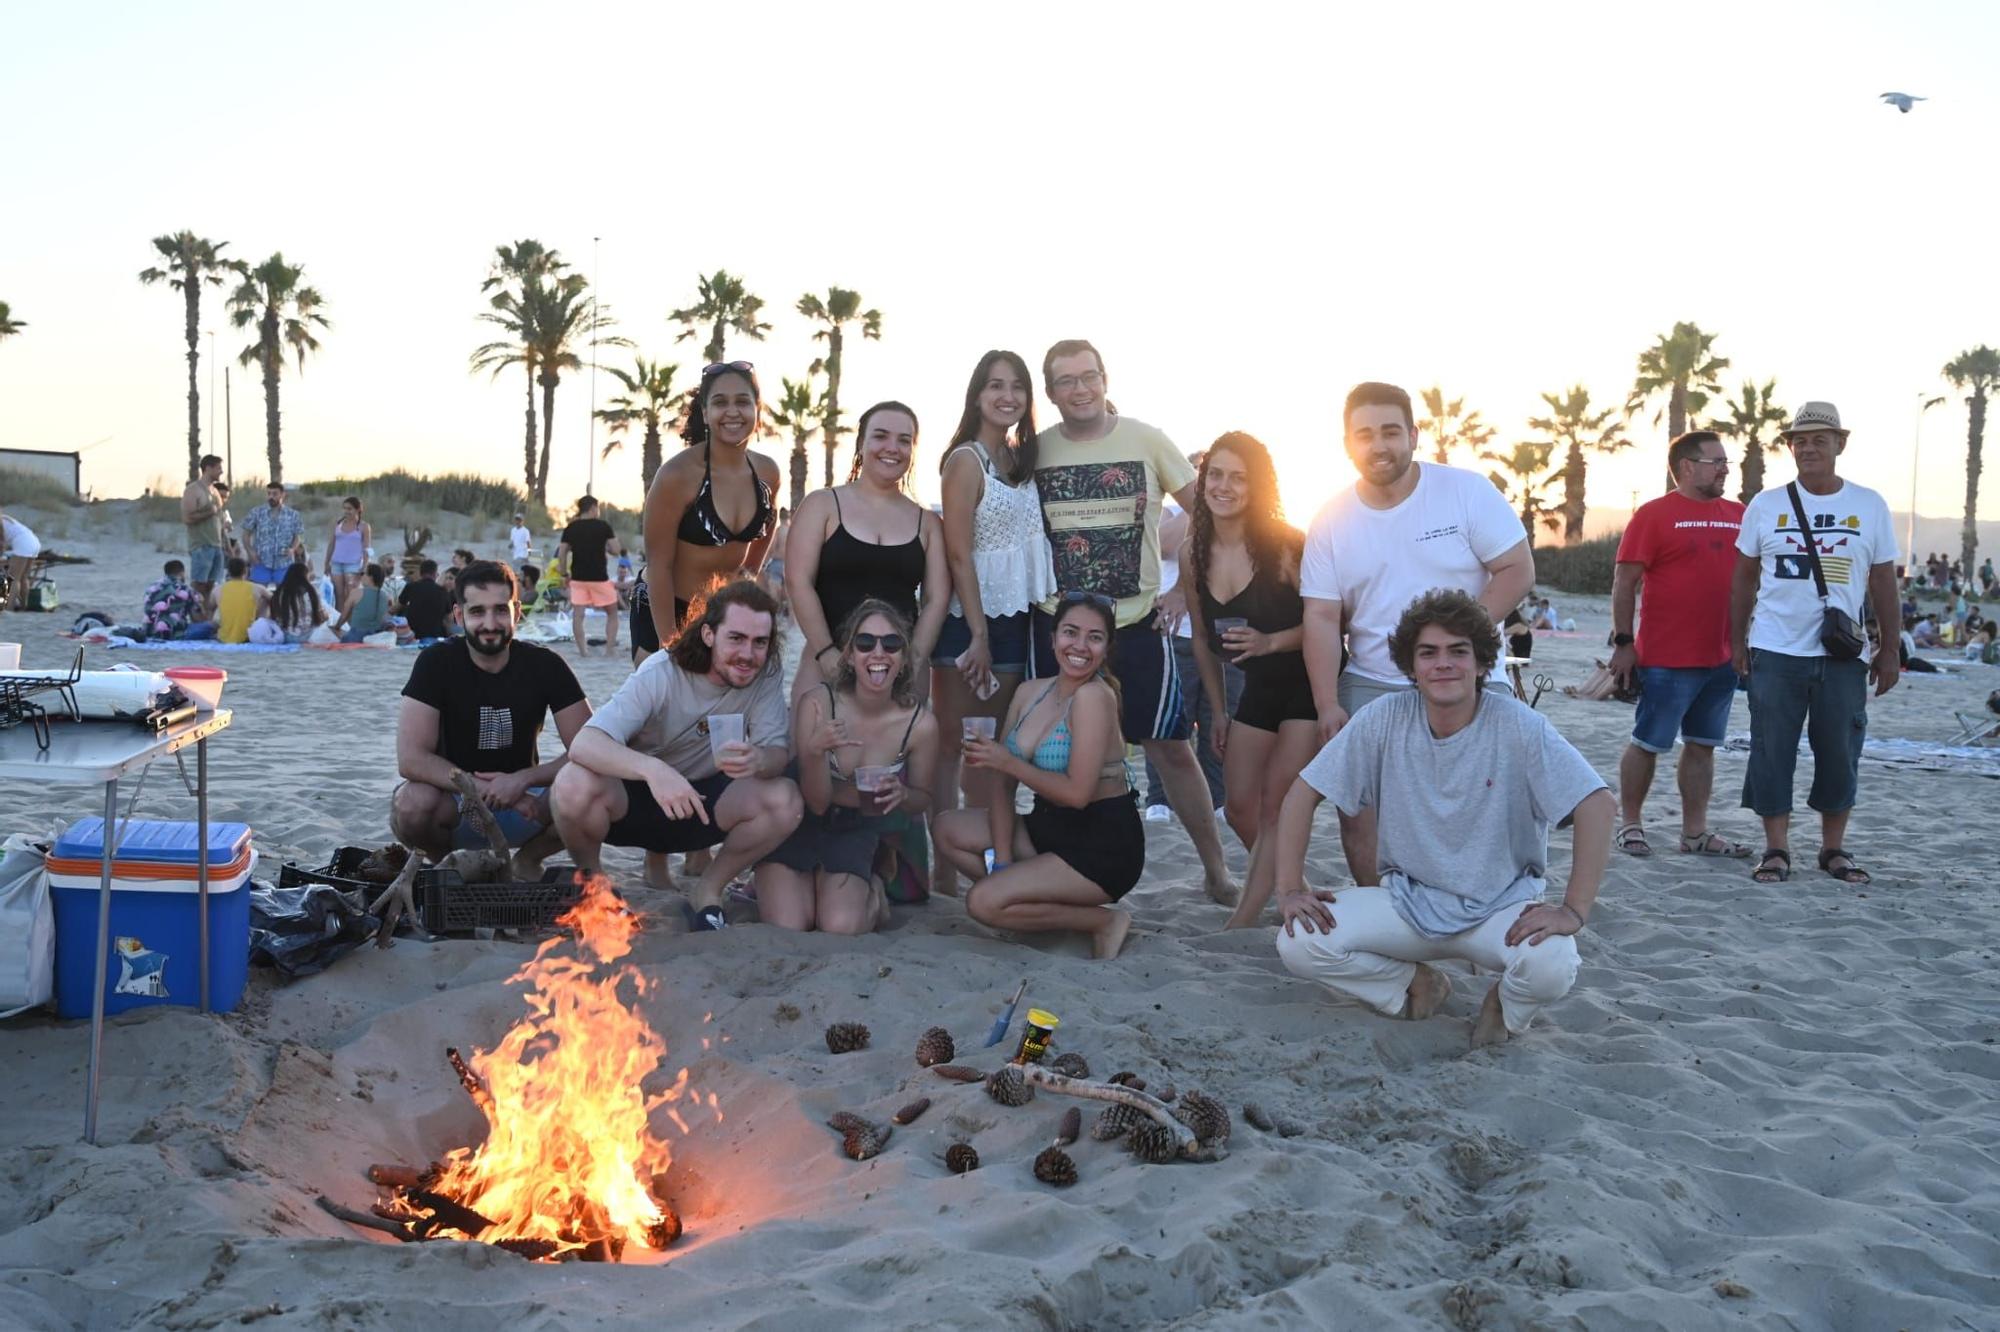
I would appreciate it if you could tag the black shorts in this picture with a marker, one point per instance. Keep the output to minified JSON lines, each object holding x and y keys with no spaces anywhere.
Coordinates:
{"x":1276,"y":689}
{"x":639,"y":620}
{"x":841,"y":841}
{"x":1103,"y":841}
{"x":1149,"y":683}
{"x":646,"y":825}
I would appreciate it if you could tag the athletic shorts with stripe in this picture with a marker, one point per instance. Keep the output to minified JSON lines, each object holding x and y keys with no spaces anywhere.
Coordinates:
{"x":1149,"y":682}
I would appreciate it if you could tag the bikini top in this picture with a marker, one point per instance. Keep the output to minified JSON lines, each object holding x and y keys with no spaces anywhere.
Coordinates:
{"x":1052,"y":754}
{"x":902,"y":750}
{"x":701,"y":525}
{"x":852,"y":570}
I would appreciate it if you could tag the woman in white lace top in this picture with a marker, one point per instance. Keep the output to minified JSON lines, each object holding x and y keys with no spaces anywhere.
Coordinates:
{"x":1001,"y":566}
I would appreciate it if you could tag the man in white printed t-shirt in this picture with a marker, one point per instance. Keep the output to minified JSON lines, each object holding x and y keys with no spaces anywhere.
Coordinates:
{"x":1405,"y":528}
{"x":1775,"y":618}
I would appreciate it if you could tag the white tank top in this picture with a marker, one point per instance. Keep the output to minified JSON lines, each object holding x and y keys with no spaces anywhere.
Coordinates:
{"x":1010,"y":546}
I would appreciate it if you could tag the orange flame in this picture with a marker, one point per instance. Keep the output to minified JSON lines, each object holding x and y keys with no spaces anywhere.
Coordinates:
{"x":569,"y":1154}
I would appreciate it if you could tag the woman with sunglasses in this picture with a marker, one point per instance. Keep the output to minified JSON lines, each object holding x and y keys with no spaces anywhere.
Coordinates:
{"x":864,"y":746}
{"x":710,"y":509}
{"x":1081,"y":847}
{"x":1241,"y":559}
{"x":866,"y":539}
{"x":1001,"y":566}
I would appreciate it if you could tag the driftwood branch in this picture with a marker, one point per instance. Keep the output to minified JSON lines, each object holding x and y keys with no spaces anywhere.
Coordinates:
{"x":470,"y":1081}
{"x":474,"y":808}
{"x":1146,"y":1104}
{"x":366,"y":1220}
{"x":448,"y":1212}
{"x":395,"y":900}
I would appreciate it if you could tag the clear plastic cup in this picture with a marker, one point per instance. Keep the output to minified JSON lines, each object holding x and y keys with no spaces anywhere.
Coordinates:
{"x":873,"y":780}
{"x":724,"y":728}
{"x":983,"y":728}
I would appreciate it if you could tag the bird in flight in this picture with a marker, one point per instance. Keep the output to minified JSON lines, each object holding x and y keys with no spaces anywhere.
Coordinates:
{"x":1902,"y":101}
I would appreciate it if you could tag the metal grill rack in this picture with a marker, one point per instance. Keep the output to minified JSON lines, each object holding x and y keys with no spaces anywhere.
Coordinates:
{"x":19,"y":692}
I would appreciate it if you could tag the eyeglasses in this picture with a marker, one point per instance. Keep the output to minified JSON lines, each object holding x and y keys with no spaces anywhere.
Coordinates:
{"x":1070,"y":383}
{"x":1080,"y":597}
{"x":724,"y":367}
{"x":1723,"y":463}
{"x":887,"y":642}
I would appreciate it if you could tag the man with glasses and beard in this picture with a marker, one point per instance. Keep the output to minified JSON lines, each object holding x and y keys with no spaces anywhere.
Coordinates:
{"x":476,"y":705}
{"x":1682,"y":546}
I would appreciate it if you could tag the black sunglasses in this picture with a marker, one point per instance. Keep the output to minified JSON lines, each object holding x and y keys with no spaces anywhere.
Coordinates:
{"x":724,"y":367}
{"x":1079,"y":597}
{"x":867,"y":642}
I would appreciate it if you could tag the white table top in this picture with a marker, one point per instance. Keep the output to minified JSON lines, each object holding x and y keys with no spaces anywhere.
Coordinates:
{"x":98,"y":751}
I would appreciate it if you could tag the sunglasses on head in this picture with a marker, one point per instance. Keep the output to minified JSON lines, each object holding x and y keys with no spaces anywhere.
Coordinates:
{"x":1081,"y":598}
{"x":724,"y":367}
{"x":869,"y":642}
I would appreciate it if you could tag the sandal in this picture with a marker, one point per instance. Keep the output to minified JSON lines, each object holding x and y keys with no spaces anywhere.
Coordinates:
{"x":1711,"y":843}
{"x":1632,"y":841}
{"x":1852,"y":874}
{"x":1768,"y":872}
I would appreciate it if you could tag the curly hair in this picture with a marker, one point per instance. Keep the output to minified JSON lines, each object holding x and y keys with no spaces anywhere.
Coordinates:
{"x":903,"y":688}
{"x":694,"y":426}
{"x":1458,"y":614}
{"x":1272,"y":542}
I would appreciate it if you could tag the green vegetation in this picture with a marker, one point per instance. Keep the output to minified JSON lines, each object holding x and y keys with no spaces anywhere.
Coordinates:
{"x":275,"y":300}
{"x":453,"y":492}
{"x":25,"y":489}
{"x":1751,"y":412}
{"x":1581,"y":566}
{"x":724,"y":303}
{"x":192,"y":263}
{"x":650,"y":402}
{"x":1681,"y":365}
{"x":9,"y":326}
{"x":1572,"y":428}
{"x":840,"y":308}
{"x":1447,"y":425}
{"x":1978,"y":373}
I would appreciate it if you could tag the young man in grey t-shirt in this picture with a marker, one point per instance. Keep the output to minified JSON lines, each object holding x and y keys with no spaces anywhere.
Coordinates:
{"x":1466,"y":783}
{"x":644,"y":773}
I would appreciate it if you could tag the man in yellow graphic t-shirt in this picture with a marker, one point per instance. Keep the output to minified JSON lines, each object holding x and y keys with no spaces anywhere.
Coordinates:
{"x":1102,"y":477}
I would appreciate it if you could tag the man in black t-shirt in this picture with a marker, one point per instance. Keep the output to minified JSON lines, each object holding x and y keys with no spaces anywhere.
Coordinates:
{"x":425,"y":604}
{"x":583,"y":556}
{"x":476,"y":704}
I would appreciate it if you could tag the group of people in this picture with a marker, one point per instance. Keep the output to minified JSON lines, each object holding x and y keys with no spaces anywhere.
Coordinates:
{"x":1369,"y":645}
{"x":1950,"y":576}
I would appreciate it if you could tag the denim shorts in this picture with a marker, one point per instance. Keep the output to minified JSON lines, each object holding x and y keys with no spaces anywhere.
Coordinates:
{"x":1826,"y":699}
{"x":1688,"y":702}
{"x":347,"y":566}
{"x":1006,"y":638}
{"x":205,"y":564}
{"x":516,"y":827}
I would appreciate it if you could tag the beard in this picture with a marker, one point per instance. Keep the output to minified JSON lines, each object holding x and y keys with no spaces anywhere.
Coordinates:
{"x":489,"y":642}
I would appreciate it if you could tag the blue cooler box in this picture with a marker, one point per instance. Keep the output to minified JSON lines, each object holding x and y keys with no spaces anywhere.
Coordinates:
{"x":155,"y":942}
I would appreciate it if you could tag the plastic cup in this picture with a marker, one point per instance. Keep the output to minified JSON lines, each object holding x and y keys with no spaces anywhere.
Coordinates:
{"x":981,"y":728}
{"x":10,"y":656}
{"x":872,"y":780}
{"x":724,"y":728}
{"x":1228,"y":622}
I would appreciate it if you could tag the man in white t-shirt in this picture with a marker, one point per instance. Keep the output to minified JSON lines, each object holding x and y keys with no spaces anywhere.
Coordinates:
{"x":1404,"y":529}
{"x":519,"y":539}
{"x":1776,"y":614}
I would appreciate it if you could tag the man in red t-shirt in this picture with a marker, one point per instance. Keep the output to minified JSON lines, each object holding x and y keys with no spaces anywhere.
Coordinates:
{"x":1682,"y":546}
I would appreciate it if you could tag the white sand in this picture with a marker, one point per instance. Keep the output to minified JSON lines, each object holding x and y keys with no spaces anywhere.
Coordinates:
{"x":1790,"y":1089}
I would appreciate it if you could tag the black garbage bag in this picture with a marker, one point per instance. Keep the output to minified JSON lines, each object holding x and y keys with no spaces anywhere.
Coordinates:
{"x":304,"y":929}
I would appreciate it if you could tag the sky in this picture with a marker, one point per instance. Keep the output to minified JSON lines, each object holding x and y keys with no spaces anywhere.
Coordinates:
{"x":1247,"y":207}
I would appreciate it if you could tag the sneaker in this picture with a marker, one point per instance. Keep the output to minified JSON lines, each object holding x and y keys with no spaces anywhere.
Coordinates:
{"x":1158,"y":814}
{"x":708,"y":918}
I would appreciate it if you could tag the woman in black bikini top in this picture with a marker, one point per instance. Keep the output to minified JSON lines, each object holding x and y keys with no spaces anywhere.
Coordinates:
{"x":691,"y":542}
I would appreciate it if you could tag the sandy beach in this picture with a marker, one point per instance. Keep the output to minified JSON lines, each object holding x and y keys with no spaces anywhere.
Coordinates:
{"x":1761,"y":1107}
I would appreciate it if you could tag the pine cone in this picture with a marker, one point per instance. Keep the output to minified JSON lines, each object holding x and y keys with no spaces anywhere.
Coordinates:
{"x":845,"y":1037}
{"x":1072,"y":1124}
{"x":1127,"y":1079}
{"x":1208,"y":1117}
{"x":845,"y":1121}
{"x":960,"y":1157}
{"x":1053,"y":1166}
{"x":1007,"y":1086}
{"x":1071,"y":1065}
{"x":958,"y":1072}
{"x":1257,"y":1117}
{"x":909,"y":1112}
{"x":1115,"y":1121}
{"x":866,"y":1141}
{"x":935,"y":1047}
{"x":1152,"y":1141}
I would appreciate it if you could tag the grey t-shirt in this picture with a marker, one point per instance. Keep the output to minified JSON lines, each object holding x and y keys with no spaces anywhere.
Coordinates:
{"x":1463,"y":821}
{"x":663,"y":711}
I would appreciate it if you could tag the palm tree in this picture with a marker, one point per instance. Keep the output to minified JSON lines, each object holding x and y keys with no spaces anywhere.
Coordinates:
{"x":1681,"y":365}
{"x":1450,"y":426}
{"x":839,"y":308}
{"x":799,"y":412}
{"x":1573,"y":428}
{"x":560,"y":316}
{"x":649,"y":400}
{"x":517,"y":269}
{"x":1521,"y":473}
{"x":9,"y":326}
{"x":192,"y":263}
{"x":284,"y":310}
{"x":724,"y":304}
{"x":1752,"y":411}
{"x":1978,"y":372}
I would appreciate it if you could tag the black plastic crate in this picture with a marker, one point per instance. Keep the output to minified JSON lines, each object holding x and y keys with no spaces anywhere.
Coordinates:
{"x":339,"y":874}
{"x":448,"y":905}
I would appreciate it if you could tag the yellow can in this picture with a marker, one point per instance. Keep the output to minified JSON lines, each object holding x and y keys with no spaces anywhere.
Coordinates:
{"x":1035,"y":1038}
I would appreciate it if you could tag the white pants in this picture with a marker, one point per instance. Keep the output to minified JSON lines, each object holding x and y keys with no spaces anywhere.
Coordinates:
{"x":1372,"y":955}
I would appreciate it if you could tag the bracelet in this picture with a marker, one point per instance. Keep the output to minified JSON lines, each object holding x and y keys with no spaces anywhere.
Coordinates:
{"x":823,"y":651}
{"x":1574,"y":912}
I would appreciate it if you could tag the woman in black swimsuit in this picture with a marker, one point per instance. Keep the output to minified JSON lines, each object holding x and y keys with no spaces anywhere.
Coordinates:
{"x":1241,"y":561}
{"x":866,"y":539}
{"x":709,"y":509}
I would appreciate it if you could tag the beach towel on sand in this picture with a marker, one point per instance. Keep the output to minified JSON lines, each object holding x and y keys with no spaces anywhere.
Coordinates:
{"x":198,"y":645}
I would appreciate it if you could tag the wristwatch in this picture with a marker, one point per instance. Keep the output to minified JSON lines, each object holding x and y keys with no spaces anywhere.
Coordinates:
{"x":1621,"y":640}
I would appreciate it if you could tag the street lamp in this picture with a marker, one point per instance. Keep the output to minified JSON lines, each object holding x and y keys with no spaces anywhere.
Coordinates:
{"x":1916,"y":447}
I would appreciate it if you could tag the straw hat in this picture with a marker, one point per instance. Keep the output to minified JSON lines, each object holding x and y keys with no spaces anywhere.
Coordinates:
{"x":1816,"y":416}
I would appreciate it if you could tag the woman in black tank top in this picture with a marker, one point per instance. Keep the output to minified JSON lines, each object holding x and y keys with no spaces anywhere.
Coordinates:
{"x":866,"y":539}
{"x":1241,"y":560}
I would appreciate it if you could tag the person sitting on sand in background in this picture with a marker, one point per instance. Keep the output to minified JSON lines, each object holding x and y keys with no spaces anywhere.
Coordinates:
{"x":293,"y":611}
{"x":170,"y":607}
{"x":583,"y":557}
{"x":425,"y":605}
{"x":347,"y":549}
{"x":865,"y":746}
{"x":1082,"y":847}
{"x":644,"y":772}
{"x":1466,"y":782}
{"x":476,"y":705}
{"x":238,"y":603}
{"x":273,"y":537}
{"x":366,"y":610}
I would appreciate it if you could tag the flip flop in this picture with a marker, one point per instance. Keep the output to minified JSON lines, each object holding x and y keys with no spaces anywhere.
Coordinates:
{"x":1767,"y":872}
{"x":1708,"y":842}
{"x":1632,"y":841}
{"x":708,"y":918}
{"x":1852,"y":874}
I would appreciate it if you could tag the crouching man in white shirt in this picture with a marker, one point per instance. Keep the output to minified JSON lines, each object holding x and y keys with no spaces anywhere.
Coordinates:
{"x":1466,"y":783}
{"x":655,"y":770}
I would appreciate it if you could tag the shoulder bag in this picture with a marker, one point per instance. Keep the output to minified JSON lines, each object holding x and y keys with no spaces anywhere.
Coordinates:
{"x":1838,"y":633}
